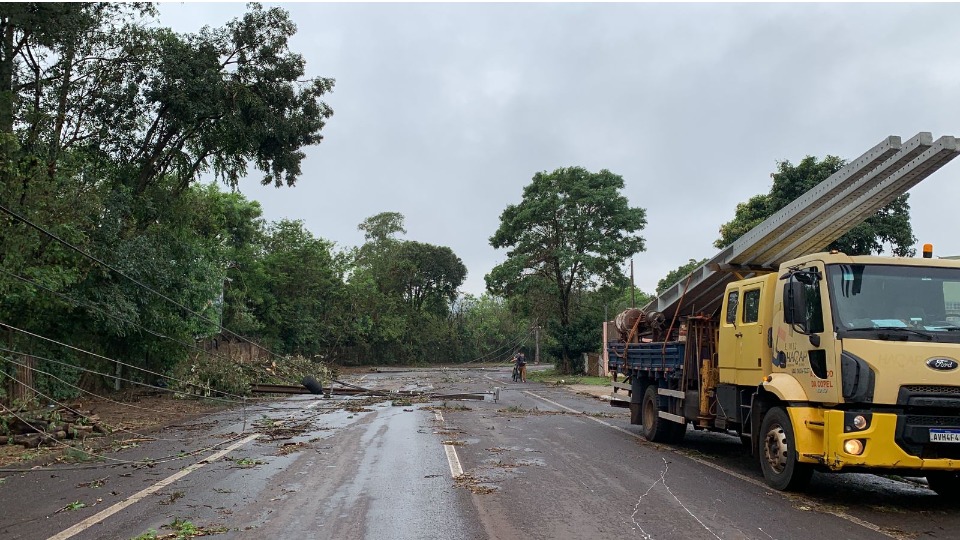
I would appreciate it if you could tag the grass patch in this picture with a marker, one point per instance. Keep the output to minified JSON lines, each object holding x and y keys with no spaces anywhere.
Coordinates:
{"x":552,"y":376}
{"x":182,"y":529}
{"x":448,"y":407}
{"x":244,"y":463}
{"x":75,"y":505}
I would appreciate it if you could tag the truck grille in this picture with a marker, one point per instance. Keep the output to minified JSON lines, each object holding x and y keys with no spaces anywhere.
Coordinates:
{"x":930,"y":389}
{"x":933,"y":421}
{"x":913,"y":436}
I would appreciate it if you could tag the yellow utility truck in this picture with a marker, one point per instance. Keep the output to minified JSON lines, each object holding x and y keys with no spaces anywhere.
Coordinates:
{"x":818,"y":361}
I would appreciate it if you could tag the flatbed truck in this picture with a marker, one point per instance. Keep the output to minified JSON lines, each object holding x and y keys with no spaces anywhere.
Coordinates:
{"x":832,"y":363}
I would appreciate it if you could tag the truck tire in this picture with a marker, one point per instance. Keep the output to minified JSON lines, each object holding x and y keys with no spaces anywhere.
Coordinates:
{"x":656,"y":429}
{"x":778,"y":453}
{"x":945,"y":483}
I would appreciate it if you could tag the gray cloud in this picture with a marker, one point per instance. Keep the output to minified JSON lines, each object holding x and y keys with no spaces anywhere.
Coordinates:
{"x":443,"y":112}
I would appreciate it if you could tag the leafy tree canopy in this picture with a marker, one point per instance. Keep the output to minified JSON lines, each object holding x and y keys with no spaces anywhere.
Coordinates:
{"x":889,"y":225}
{"x":382,"y":227}
{"x":570,"y":232}
{"x":423,"y":275}
{"x":428,"y":276}
{"x":142,"y":102}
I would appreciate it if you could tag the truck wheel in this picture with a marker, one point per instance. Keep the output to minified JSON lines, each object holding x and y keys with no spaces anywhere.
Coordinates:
{"x":945,"y":483}
{"x":778,"y":453}
{"x":656,"y":429}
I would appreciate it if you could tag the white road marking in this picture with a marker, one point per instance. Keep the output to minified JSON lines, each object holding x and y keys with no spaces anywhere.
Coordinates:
{"x":104,"y":514}
{"x":842,"y":515}
{"x":452,"y":459}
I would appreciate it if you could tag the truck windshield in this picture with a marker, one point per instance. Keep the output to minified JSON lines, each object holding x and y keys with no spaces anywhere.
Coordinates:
{"x":877,"y":300}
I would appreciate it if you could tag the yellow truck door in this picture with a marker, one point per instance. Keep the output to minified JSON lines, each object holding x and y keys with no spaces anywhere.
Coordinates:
{"x":808,"y":351}
{"x":750,"y":338}
{"x":744,"y":321}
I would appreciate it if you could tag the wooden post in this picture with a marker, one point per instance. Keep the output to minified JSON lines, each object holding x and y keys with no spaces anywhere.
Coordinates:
{"x":22,"y":390}
{"x":536,"y":355}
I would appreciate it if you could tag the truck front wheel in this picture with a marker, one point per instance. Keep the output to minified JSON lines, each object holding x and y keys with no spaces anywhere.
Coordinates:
{"x":945,"y":483}
{"x":778,"y":453}
{"x":656,"y":429}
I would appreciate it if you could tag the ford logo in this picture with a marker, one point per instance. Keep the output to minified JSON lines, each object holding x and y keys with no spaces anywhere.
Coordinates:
{"x":942,"y":364}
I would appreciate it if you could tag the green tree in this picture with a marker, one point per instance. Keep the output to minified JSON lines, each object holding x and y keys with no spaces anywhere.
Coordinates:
{"x":141,"y":102}
{"x":427,"y":276}
{"x":304,"y":282}
{"x":890,"y":224}
{"x":678,"y":274}
{"x":106,"y":124}
{"x":382,"y":227}
{"x":570,"y":233}
{"x":402,"y":292}
{"x":488,"y":329}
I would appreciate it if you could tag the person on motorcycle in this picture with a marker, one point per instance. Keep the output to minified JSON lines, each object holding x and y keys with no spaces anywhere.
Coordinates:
{"x":520,"y":366}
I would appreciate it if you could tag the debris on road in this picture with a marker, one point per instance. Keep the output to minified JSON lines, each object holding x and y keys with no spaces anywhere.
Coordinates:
{"x":347,"y":389}
{"x":45,"y":427}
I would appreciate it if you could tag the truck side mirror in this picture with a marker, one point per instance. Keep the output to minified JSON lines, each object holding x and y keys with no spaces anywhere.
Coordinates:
{"x":795,"y":304}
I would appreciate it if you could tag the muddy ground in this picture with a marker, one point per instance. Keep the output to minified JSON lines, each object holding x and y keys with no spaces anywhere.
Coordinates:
{"x":128,"y":415}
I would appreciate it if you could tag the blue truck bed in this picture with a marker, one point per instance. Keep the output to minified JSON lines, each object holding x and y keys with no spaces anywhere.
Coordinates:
{"x":661,"y":356}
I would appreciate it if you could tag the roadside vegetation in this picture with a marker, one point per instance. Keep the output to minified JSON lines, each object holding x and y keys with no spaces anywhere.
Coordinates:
{"x":555,"y":377}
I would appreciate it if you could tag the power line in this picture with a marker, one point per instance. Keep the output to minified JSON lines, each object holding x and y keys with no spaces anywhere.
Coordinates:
{"x":243,"y":401}
{"x":79,"y":303}
{"x":505,"y":347}
{"x":137,"y":282}
{"x":4,"y":325}
{"x":116,"y":461}
{"x":114,"y":428}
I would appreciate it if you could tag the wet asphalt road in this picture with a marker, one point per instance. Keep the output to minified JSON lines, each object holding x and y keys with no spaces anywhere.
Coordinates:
{"x":541,"y":462}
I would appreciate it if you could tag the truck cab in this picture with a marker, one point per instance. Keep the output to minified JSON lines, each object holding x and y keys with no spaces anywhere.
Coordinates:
{"x":863,"y":359}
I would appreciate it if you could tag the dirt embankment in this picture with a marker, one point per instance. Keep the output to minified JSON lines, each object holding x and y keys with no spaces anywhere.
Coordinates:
{"x":122,"y":416}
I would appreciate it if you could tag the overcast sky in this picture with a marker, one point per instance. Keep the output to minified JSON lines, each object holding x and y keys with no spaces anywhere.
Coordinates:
{"x":443,"y":112}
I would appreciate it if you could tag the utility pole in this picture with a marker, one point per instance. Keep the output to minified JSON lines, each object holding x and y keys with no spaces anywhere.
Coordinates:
{"x":536,"y":354}
{"x":633,"y":289}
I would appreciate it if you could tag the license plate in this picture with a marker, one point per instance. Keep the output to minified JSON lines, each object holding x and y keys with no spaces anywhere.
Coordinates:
{"x":945,"y":435}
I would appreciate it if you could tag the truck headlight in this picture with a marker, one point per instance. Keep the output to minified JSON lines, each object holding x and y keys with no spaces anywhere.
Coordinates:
{"x":856,"y":421}
{"x":853,"y":446}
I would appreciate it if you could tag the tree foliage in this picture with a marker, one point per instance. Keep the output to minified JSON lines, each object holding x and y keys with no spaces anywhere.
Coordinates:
{"x":570,"y":233}
{"x":140,"y":103}
{"x":404,"y":291}
{"x":888,"y":226}
{"x":106,"y":123}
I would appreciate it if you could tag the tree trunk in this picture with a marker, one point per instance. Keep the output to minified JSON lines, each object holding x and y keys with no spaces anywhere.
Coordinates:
{"x":6,"y":77}
{"x":22,"y":389}
{"x":61,"y":109}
